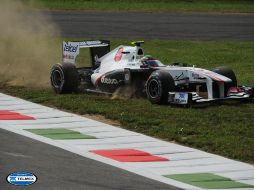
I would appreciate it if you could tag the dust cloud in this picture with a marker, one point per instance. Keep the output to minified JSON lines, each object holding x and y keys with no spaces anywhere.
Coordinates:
{"x":125,"y":93}
{"x":28,"y":46}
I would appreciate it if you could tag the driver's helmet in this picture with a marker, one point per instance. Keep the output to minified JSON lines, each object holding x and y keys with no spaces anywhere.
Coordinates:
{"x":149,"y":61}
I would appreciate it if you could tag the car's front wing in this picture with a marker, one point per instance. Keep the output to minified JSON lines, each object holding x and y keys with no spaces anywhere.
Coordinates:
{"x":188,"y":98}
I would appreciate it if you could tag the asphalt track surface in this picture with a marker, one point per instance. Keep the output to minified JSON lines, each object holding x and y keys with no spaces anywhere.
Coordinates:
{"x":135,"y":25}
{"x":60,"y":169}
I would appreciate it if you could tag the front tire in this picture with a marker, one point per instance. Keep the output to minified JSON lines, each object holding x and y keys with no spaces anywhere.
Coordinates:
{"x":229,"y":73}
{"x":64,"y":78}
{"x":158,"y":85}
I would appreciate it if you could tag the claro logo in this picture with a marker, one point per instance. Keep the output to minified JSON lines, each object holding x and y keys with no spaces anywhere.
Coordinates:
{"x":118,"y":55}
{"x":105,"y":80}
{"x":70,"y":48}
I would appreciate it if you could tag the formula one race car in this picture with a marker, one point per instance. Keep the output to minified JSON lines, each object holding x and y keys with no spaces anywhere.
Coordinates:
{"x":129,"y":66}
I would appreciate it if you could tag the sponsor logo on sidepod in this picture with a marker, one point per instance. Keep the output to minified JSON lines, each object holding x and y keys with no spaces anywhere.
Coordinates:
{"x":21,"y":178}
{"x":108,"y":80}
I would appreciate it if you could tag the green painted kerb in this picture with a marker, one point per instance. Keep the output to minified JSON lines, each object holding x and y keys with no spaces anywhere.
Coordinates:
{"x":208,"y":181}
{"x":60,"y":133}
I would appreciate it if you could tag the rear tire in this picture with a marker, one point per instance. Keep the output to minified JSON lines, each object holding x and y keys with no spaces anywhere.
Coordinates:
{"x":158,"y":85}
{"x":64,"y":78}
{"x":229,"y":73}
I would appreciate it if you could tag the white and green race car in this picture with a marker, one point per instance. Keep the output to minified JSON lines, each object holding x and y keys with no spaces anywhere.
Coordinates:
{"x":129,"y":66}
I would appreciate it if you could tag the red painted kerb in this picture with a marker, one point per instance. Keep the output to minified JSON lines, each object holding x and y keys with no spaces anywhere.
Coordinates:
{"x":10,"y":115}
{"x":129,"y":155}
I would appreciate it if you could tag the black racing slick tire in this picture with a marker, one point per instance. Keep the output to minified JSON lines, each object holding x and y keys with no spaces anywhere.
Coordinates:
{"x":229,"y":73}
{"x":64,"y":78}
{"x":158,"y":85}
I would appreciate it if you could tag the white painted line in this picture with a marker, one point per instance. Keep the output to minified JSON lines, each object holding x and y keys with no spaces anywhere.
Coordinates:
{"x":182,"y":163}
{"x":239,"y":175}
{"x":199,"y":169}
{"x":119,"y":146}
{"x":73,"y":125}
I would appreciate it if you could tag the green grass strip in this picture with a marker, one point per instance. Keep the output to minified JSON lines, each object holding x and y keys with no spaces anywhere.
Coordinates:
{"x":60,"y":133}
{"x":146,"y":5}
{"x":208,"y":181}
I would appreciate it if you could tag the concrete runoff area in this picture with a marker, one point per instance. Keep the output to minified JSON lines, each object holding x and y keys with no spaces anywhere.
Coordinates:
{"x":171,"y":165}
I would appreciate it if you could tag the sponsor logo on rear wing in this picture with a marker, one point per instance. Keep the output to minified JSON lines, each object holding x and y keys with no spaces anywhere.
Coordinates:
{"x":96,"y":43}
{"x":71,"y":49}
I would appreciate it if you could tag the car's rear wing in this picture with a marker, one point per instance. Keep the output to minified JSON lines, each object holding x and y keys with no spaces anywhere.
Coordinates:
{"x":98,"y":48}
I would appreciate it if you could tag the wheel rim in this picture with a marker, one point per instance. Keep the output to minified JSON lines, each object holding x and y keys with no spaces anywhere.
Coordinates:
{"x":57,"y":78}
{"x":154,"y":89}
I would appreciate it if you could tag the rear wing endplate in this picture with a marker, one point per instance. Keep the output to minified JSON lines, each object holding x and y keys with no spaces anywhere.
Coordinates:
{"x":98,"y":48}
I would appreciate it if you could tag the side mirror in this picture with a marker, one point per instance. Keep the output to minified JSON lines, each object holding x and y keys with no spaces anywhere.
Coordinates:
{"x":144,"y":66}
{"x":125,"y":52}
